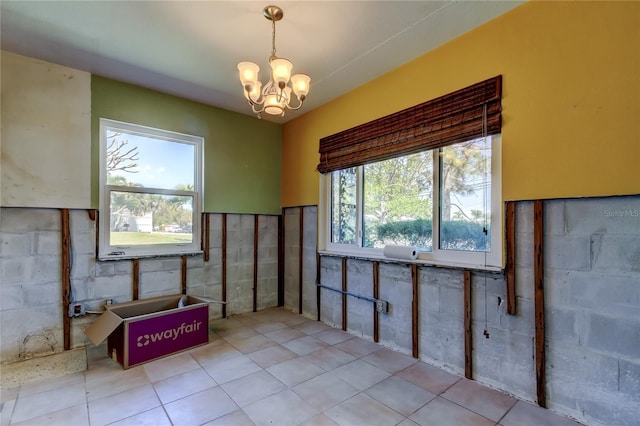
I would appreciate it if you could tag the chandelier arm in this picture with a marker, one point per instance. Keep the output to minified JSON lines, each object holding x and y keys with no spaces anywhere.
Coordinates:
{"x":273,"y":39}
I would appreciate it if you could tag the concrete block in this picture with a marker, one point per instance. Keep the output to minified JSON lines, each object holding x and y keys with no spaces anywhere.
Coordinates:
{"x":123,"y":267}
{"x":524,"y":250}
{"x":615,"y":335}
{"x":19,"y":220}
{"x":429,"y":295}
{"x":524,"y":217}
{"x":610,"y":215}
{"x":14,"y":270}
{"x":15,"y":244}
{"x":160,"y":281}
{"x":525,"y":283}
{"x":105,"y":269}
{"x":11,"y":297}
{"x":45,"y":268}
{"x":556,"y":286}
{"x":616,"y":253}
{"x":115,"y":287}
{"x":629,"y":377}
{"x":523,"y":322}
{"x":83,"y":266}
{"x":564,"y":325}
{"x":394,"y":271}
{"x":567,"y":252}
{"x":608,"y":295}
{"x":42,"y":294}
{"x":80,"y":223}
{"x":161,"y":264}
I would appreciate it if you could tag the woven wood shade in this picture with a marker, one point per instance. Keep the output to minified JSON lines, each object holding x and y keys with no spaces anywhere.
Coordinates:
{"x":452,"y":118}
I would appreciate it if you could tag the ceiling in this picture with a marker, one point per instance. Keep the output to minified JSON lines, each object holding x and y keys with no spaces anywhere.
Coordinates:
{"x":191,"y":48}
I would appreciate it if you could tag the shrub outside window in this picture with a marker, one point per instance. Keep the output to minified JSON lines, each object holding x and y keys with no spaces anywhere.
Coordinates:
{"x":151,"y":191}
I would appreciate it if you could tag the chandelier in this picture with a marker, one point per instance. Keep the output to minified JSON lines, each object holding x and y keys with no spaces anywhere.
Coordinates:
{"x":275,"y":96}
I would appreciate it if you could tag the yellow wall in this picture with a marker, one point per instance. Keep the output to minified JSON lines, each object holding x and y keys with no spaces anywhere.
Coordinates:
{"x":571,"y":100}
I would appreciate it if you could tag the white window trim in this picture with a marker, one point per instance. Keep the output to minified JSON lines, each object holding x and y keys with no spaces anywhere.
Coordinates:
{"x":492,"y":260}
{"x":112,"y":252}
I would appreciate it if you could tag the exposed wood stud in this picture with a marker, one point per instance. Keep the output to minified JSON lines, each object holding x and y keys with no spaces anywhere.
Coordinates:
{"x":224,"y":264}
{"x":318,"y":281}
{"x":281,"y":259}
{"x":256,"y":225}
{"x":538,"y":276}
{"x":66,"y":277}
{"x":135,"y":279}
{"x":414,"y":312}
{"x":511,"y":257}
{"x":97,"y":233}
{"x":92,"y":214}
{"x":468,"y":336}
{"x":184,"y":274}
{"x":207,"y":236}
{"x":300,"y":258}
{"x":344,"y":294}
{"x":376,"y":295}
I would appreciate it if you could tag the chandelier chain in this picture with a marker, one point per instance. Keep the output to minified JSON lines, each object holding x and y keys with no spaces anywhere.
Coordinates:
{"x":273,"y":39}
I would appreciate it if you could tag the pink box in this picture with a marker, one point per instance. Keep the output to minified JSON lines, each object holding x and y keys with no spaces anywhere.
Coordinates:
{"x":149,"y":329}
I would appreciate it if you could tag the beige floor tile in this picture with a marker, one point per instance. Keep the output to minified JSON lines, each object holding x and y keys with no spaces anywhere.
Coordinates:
{"x":122,"y":405}
{"x":390,"y":360}
{"x":361,"y":374}
{"x":171,"y":366}
{"x":6,"y":411}
{"x":50,"y":401}
{"x":312,"y":327}
{"x":181,"y":385}
{"x":201,"y":407}
{"x":238,"y":334}
{"x":408,"y":422}
{"x":284,"y":335}
{"x":363,"y":410}
{"x":404,"y":397}
{"x":305,"y":345}
{"x":325,"y":391}
{"x":153,"y":417}
{"x":265,"y":358}
{"x":487,"y":402}
{"x":319,"y":420}
{"x":330,"y":358}
{"x":214,"y":353}
{"x":51,"y":383}
{"x":252,"y":387}
{"x":428,"y":377}
{"x":231,"y":369}
{"x":358,"y":347}
{"x":237,"y":418}
{"x":525,"y":414}
{"x":333,"y":336}
{"x":284,"y":408}
{"x":102,"y":385}
{"x":76,"y":416}
{"x":268,"y":327}
{"x":253,"y":344}
{"x":295,"y":371}
{"x":442,"y":412}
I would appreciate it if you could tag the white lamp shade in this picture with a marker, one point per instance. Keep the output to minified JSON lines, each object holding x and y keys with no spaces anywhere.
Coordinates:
{"x":248,"y":72}
{"x":281,"y":70}
{"x":272,"y":106}
{"x":254,"y":94}
{"x":300,"y":83}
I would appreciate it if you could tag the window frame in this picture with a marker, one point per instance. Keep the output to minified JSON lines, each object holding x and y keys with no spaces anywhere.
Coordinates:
{"x":491,"y":260}
{"x":107,"y":251}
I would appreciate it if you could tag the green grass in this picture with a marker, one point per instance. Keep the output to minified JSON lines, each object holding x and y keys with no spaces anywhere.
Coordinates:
{"x":136,"y":238}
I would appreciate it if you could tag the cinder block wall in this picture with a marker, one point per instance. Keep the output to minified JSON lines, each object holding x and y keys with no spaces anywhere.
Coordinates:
{"x":31,"y":311}
{"x":592,"y":307}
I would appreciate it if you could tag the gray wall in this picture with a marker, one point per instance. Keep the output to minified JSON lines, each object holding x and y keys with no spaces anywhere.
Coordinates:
{"x":592,"y":308}
{"x":31,"y":312}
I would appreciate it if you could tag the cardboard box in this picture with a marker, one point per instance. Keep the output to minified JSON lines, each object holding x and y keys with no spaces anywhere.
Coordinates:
{"x":144,"y":330}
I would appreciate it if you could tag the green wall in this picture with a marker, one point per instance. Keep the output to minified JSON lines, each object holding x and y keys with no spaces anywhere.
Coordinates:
{"x":242,"y":154}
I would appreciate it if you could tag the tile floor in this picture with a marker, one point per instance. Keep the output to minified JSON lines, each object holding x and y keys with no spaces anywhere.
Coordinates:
{"x":268,"y":368}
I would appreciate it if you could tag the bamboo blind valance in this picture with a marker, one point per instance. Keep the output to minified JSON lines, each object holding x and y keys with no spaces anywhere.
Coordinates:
{"x":452,"y":118}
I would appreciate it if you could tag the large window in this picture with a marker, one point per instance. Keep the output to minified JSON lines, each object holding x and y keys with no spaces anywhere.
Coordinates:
{"x":445,"y":202}
{"x":151,"y":191}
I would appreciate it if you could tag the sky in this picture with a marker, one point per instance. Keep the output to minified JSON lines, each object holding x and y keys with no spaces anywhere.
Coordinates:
{"x":161,"y":164}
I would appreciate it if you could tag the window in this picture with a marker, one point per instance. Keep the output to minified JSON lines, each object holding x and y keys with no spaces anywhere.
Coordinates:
{"x":427,"y":176}
{"x":439,"y":201}
{"x":151,"y":191}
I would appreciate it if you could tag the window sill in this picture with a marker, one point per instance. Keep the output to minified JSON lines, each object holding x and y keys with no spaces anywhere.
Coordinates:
{"x":419,"y":262}
{"x":110,"y":258}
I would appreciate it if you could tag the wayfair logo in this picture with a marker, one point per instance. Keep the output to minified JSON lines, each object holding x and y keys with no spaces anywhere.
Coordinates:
{"x":168,"y":334}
